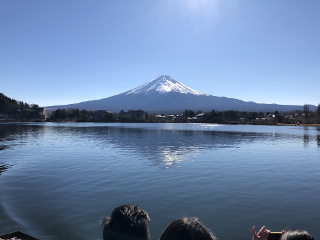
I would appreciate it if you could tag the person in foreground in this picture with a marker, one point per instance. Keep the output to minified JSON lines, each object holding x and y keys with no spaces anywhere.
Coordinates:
{"x":127,"y":222}
{"x":297,"y":234}
{"x":187,"y":229}
{"x":263,"y":234}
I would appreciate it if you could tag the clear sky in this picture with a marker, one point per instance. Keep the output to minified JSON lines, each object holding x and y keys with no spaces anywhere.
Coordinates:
{"x":67,"y":51}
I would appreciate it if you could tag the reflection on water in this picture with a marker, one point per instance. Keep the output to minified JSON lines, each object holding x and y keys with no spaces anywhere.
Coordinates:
{"x":163,"y":146}
{"x":4,"y":167}
{"x":57,"y":180}
{"x":16,"y":134}
{"x":306,"y":140}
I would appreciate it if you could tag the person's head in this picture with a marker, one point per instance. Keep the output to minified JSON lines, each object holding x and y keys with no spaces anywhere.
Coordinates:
{"x":297,"y":235}
{"x":187,"y":229}
{"x":127,"y":222}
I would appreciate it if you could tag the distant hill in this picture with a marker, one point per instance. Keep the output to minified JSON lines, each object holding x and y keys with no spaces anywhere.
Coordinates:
{"x":167,"y":95}
{"x":9,"y":105}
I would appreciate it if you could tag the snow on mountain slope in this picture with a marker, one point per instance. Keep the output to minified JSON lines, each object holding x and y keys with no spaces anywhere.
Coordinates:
{"x":164,"y":84}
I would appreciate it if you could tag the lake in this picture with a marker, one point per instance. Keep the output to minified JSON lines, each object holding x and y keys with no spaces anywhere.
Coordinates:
{"x":58,"y":179}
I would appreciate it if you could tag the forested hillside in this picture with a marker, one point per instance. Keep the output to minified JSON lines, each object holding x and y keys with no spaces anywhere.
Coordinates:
{"x":9,"y":105}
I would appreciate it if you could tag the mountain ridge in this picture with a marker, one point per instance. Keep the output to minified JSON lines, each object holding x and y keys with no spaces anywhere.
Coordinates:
{"x":164,"y":94}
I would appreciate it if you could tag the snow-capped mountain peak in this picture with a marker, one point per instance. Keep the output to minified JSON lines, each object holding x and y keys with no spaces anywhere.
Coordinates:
{"x":164,"y":84}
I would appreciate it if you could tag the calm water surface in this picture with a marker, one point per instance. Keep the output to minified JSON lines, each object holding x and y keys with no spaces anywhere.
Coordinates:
{"x":58,"y":179}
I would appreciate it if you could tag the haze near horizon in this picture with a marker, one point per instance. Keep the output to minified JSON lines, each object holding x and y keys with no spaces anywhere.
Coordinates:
{"x":57,"y":53}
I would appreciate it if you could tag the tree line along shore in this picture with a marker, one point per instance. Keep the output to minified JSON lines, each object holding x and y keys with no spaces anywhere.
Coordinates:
{"x":18,"y":111}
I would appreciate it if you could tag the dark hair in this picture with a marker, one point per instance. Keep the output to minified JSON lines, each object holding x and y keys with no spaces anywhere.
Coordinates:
{"x":187,"y":229}
{"x":126,"y":222}
{"x":297,"y":235}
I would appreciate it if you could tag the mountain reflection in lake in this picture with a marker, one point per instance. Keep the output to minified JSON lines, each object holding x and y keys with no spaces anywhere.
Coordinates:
{"x":58,"y":179}
{"x":162,"y":147}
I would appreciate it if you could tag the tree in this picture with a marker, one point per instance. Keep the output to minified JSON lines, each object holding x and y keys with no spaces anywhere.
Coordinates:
{"x":33,"y":106}
{"x":189,"y":113}
{"x":230,"y":115}
{"x":261,"y":114}
{"x":2,"y":106}
{"x":318,"y":111}
{"x":253,"y":115}
{"x":60,"y":114}
{"x":306,"y":112}
{"x":243,"y":114}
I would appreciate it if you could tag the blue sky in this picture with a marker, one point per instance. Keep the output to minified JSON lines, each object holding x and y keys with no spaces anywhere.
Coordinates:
{"x":67,"y":51}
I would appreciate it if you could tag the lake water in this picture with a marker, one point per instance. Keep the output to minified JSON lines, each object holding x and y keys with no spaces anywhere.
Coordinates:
{"x":58,"y":179}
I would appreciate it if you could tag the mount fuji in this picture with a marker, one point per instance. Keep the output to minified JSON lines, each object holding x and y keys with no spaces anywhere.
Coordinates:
{"x":164,"y":94}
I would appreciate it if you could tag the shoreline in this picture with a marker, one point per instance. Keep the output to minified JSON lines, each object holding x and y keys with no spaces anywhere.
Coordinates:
{"x":277,"y":124}
{"x":303,"y":125}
